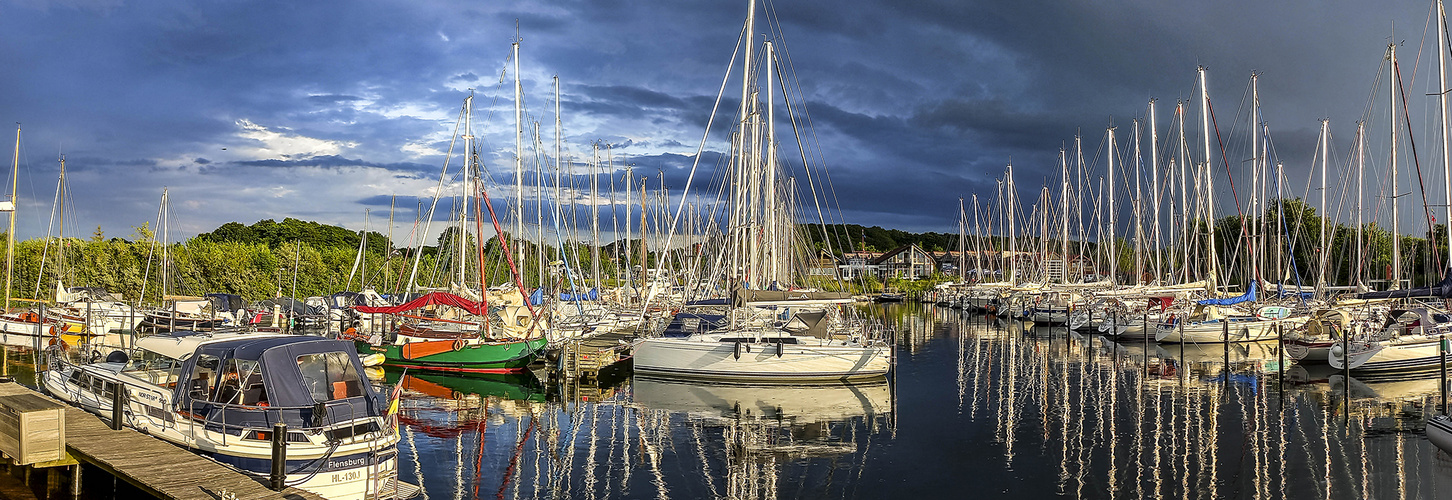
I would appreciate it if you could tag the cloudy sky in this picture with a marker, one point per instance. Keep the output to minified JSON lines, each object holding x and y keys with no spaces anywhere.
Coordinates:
{"x":248,"y":110}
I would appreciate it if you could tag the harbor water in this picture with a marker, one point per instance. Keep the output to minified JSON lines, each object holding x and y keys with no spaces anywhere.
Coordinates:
{"x":975,"y":409}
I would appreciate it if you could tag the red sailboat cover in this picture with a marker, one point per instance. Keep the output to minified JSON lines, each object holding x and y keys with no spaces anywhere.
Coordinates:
{"x":430,"y":299}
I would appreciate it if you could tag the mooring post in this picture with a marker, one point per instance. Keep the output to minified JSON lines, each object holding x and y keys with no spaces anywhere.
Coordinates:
{"x":76,"y":481}
{"x":118,"y":403}
{"x":1442,"y":348}
{"x":279,"y":456}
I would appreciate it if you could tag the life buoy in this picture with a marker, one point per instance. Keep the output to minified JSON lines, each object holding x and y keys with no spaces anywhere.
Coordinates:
{"x":458,"y":344}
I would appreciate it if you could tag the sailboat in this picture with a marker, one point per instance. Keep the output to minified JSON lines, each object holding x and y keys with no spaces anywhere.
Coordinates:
{"x":501,"y":333}
{"x":774,"y":331}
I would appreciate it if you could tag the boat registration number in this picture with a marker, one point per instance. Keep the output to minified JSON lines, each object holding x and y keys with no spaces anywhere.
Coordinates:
{"x":343,"y":477}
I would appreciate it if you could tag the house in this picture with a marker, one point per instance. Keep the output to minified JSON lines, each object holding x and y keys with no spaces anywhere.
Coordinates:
{"x":906,"y":262}
{"x":824,"y":266}
{"x":858,"y":264}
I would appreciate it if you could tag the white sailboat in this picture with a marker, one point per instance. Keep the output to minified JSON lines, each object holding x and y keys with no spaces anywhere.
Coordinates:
{"x":774,"y":332}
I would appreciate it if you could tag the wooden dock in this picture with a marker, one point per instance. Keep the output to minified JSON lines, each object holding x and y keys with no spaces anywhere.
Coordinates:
{"x":584,"y":358}
{"x":155,"y":466}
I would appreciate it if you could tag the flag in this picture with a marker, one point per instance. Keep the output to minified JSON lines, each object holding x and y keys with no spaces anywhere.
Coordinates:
{"x":394,"y":399}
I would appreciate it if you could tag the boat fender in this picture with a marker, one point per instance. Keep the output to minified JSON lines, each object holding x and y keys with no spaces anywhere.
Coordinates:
{"x":736,"y":350}
{"x":778,"y":349}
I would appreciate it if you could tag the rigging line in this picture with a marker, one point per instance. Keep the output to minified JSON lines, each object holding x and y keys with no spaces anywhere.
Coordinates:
{"x":1412,"y":140}
{"x":1244,"y":234}
{"x":680,"y":208}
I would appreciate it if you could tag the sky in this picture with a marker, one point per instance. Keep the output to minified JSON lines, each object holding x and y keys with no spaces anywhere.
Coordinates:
{"x":322,"y":110}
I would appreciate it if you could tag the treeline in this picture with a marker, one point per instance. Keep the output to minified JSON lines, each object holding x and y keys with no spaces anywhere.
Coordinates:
{"x":853,"y":237}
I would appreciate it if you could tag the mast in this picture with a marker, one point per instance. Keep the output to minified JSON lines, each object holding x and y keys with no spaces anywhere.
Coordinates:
{"x":978,"y":230}
{"x":555,"y":212}
{"x":1138,"y":208}
{"x":595,"y":213}
{"x":1255,"y":160}
{"x":1063,"y":212}
{"x":1446,"y":131}
{"x":769,"y":183}
{"x":629,"y":237}
{"x":1396,"y":222}
{"x":1360,"y":168}
{"x":1110,"y":212}
{"x":1325,"y":244}
{"x":1209,"y":179}
{"x":962,"y":233}
{"x":1182,"y":152}
{"x":1155,"y":188}
{"x":10,"y":234}
{"x":518,"y":160}
{"x":1009,"y":189}
{"x":462,"y":237}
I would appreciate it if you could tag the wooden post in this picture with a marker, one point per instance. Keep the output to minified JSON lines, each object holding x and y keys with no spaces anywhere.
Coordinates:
{"x":1442,"y":349}
{"x":279,"y":456}
{"x":118,"y":404}
{"x":76,"y":480}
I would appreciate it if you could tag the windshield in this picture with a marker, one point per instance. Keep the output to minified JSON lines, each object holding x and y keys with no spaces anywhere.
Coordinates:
{"x":330,"y":376}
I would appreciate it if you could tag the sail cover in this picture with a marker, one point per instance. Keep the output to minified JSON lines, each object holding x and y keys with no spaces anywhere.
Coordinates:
{"x":1248,"y":296}
{"x":430,"y":299}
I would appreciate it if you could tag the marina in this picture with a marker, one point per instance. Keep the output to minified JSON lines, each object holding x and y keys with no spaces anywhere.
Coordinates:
{"x":1036,"y":412}
{"x":599,"y":280}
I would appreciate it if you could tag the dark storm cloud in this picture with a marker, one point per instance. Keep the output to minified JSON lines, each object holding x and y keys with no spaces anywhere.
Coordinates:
{"x":913,"y":103}
{"x":335,"y":162}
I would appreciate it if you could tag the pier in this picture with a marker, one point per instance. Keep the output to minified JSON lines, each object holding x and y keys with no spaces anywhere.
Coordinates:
{"x":150,"y":464}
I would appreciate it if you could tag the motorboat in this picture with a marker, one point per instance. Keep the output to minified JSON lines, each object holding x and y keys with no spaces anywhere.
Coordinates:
{"x":219,"y":394}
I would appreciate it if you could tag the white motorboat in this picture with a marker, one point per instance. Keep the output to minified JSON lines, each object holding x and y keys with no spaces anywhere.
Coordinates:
{"x":219,"y":395}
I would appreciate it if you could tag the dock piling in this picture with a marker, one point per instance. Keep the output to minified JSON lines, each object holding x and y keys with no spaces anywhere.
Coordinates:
{"x":118,"y":405}
{"x":279,"y":456}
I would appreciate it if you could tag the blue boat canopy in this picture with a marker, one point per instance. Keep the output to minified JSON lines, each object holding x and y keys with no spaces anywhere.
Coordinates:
{"x":1248,"y":296}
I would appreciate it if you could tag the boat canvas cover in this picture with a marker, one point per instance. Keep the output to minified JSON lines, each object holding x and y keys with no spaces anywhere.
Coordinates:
{"x":590,"y":296}
{"x":1248,"y":296}
{"x":1440,"y":290}
{"x":742,"y":297}
{"x":287,"y":391}
{"x":226,"y":301}
{"x":809,"y":324}
{"x":429,"y":299}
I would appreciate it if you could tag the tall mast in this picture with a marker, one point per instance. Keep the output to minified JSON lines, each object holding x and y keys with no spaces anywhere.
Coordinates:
{"x":1255,"y":160}
{"x":1446,"y":131}
{"x":1010,"y":190}
{"x":1063,"y":212}
{"x":462,"y":237}
{"x":1182,"y":153}
{"x":962,"y":232}
{"x":594,"y":213}
{"x":769,"y":182}
{"x":10,"y":234}
{"x":1138,"y":208}
{"x":1360,"y":168}
{"x":1110,"y":212}
{"x":1396,"y":222}
{"x":1325,"y":220}
{"x":629,"y":237}
{"x":1155,"y":187}
{"x":1209,"y":178}
{"x":518,"y":161}
{"x":555,"y":212}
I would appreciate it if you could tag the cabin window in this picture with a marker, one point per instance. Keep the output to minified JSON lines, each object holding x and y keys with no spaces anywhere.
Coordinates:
{"x":203,"y":376}
{"x":330,"y":376}
{"x":240,"y":384}
{"x":158,"y":369}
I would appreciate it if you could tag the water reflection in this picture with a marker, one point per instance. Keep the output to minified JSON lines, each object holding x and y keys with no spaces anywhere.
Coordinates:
{"x":977,"y":408}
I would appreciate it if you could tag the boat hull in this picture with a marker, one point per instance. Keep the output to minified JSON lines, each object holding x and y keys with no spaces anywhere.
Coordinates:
{"x":486,"y":357}
{"x":697,"y":359}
